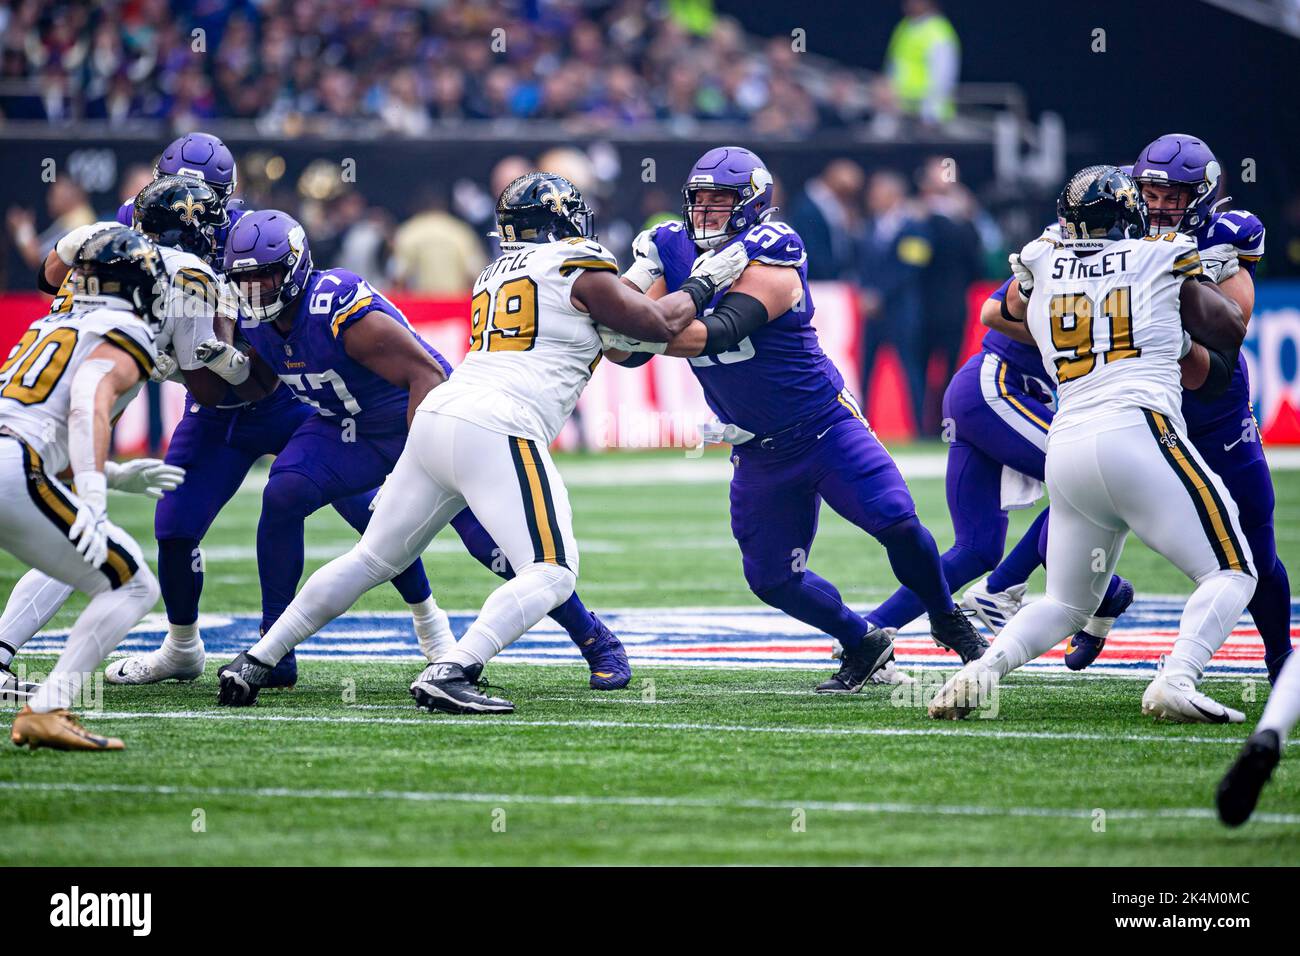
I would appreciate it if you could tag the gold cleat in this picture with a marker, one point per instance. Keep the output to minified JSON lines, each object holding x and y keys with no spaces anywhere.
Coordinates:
{"x":58,"y":730}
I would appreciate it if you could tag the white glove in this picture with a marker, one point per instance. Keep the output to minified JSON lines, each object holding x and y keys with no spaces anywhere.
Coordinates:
{"x":722,"y":268}
{"x":1220,"y":262}
{"x":71,"y":243}
{"x":646,"y":266}
{"x":1024,"y":277}
{"x":164,"y":367}
{"x":143,"y":476}
{"x":90,"y":529}
{"x":717,"y":432}
{"x":225,"y":360}
{"x":610,"y":339}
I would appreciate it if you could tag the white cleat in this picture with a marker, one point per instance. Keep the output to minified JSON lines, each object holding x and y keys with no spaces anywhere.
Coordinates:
{"x":994,"y":608}
{"x":434,"y":634}
{"x":1176,"y":699}
{"x":166,"y":663}
{"x":965,"y":691}
{"x":891,"y":675}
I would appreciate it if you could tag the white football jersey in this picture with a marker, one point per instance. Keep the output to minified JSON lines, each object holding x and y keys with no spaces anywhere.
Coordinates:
{"x":531,"y":350}
{"x":194,"y":294}
{"x":36,"y":378}
{"x":1108,"y":325}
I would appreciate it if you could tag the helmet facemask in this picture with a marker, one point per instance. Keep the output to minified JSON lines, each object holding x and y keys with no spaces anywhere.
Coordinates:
{"x":728,"y":213}
{"x":261,"y":289}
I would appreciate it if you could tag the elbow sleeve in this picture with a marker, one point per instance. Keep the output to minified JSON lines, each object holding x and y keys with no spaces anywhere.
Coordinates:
{"x":43,"y":283}
{"x":635,"y":360}
{"x":737,"y":316}
{"x":1219,"y":377}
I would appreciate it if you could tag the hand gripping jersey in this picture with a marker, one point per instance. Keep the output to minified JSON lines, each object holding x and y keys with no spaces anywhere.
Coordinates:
{"x":1108,"y":325}
{"x":1242,"y":229}
{"x":531,"y":350}
{"x":36,"y":378}
{"x":311,"y":358}
{"x":779,"y":376}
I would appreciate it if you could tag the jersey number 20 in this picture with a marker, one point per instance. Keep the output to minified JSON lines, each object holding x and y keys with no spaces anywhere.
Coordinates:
{"x":35,"y":365}
{"x":510,"y":326}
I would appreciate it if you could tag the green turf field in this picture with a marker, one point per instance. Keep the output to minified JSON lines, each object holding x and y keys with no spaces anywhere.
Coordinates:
{"x":720,"y":766}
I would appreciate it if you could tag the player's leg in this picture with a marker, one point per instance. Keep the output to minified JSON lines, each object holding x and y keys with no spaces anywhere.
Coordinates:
{"x":1239,"y":789}
{"x":432,"y":627}
{"x":517,"y":492}
{"x":856,"y":477}
{"x":1085,"y":545}
{"x":36,"y":513}
{"x":1236,"y":455}
{"x":34,"y":601}
{"x":600,"y":647}
{"x":417,"y":506}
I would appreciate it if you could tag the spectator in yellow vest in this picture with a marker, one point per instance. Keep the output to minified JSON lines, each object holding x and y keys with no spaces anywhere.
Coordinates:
{"x":922,"y":63}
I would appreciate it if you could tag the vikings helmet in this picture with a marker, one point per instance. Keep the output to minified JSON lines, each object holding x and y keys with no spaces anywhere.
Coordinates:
{"x":203,"y":156}
{"x":268,"y":260}
{"x":1177,"y":159}
{"x":1100,"y":204}
{"x":120,"y":262}
{"x":182,"y":212}
{"x":543,"y":207}
{"x":738,"y":172}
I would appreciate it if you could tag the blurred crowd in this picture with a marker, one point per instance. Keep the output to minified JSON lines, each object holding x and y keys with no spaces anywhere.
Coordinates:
{"x":296,"y":66}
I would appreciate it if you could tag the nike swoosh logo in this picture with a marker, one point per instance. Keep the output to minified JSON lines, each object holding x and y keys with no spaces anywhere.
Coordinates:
{"x":820,"y":436}
{"x":1214,"y":718}
{"x":1232,"y":446}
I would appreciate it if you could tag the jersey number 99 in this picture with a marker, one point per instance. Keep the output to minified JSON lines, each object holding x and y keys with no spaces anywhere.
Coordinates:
{"x":511,"y":324}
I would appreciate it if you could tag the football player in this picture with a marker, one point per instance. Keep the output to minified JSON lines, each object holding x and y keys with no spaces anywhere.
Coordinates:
{"x":798,"y":435}
{"x":1117,"y":314}
{"x":1180,"y":180}
{"x":61,"y":388}
{"x":480,"y":439}
{"x":1239,"y":790}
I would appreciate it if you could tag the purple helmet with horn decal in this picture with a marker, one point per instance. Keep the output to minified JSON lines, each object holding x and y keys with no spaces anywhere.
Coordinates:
{"x":1188,"y":165}
{"x":203,"y":156}
{"x":268,"y":260}
{"x":746,"y":190}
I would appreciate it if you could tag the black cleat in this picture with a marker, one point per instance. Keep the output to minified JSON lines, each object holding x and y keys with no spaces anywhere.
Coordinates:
{"x":857,"y":665}
{"x":13,"y":690}
{"x":241,"y":679}
{"x":1239,"y":789}
{"x":454,"y":689}
{"x":954,"y":631}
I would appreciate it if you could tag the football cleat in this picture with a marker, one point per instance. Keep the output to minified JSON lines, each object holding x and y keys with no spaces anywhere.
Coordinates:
{"x":1085,"y":646}
{"x":1176,"y":699}
{"x":57,"y":730}
{"x":954,"y":631}
{"x":889,"y":674}
{"x":434,"y":634}
{"x":994,"y":608}
{"x":284,"y":674}
{"x":454,"y":689}
{"x":606,"y":658}
{"x":13,"y":690}
{"x":858,"y":665}
{"x":166,"y":663}
{"x":241,"y":679}
{"x":1240,"y":787}
{"x":963,"y":693}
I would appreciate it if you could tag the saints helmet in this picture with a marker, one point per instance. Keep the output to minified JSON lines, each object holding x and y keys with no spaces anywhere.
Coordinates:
{"x":1101,"y":204}
{"x":121,"y":263}
{"x":543,"y":207}
{"x":182,"y":212}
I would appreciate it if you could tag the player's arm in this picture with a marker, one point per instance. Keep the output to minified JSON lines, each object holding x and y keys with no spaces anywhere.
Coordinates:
{"x":106,"y":374}
{"x":386,"y":347}
{"x":261,"y":381}
{"x":1217,"y":328}
{"x":1006,"y":314}
{"x":762,"y":293}
{"x":617,"y":305}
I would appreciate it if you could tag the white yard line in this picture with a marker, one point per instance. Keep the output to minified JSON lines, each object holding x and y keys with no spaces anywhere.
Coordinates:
{"x":453,"y":723}
{"x":581,"y":800}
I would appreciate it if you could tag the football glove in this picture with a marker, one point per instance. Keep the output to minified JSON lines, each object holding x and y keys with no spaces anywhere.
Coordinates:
{"x":1220,"y":262}
{"x":610,"y":339}
{"x":164,"y":367}
{"x":143,"y":476}
{"x":1023,"y":276}
{"x":90,"y":529}
{"x":721,"y":268}
{"x":223,"y":359}
{"x":647,"y":266}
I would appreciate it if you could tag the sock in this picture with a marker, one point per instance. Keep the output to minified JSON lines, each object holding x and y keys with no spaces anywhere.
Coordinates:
{"x":961,"y":565}
{"x":1033,"y":632}
{"x":1283,"y":707}
{"x":815,"y":601}
{"x":183,"y":637}
{"x":99,"y":629}
{"x":287,"y":500}
{"x":572,"y":615}
{"x":1210,"y":615}
{"x":1023,"y":560}
{"x":327,"y":594}
{"x":1270,"y":609}
{"x":180,"y":575}
{"x":511,"y":610}
{"x":35,"y":599}
{"x":422,"y":611}
{"x":914,"y":558}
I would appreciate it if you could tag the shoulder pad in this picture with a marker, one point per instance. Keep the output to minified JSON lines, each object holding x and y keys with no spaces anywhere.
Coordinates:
{"x":342,"y":296}
{"x":577,"y":253}
{"x":775,"y":243}
{"x":125,"y":330}
{"x":1240,"y":228}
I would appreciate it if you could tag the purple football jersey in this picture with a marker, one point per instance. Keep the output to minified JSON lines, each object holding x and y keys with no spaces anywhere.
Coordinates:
{"x":312,"y":361}
{"x":1022,"y":357}
{"x":779,"y":376}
